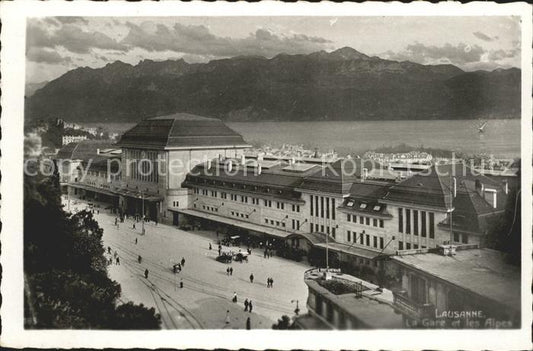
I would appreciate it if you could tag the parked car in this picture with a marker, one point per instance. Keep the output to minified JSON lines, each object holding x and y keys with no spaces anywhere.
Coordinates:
{"x":241,"y":256}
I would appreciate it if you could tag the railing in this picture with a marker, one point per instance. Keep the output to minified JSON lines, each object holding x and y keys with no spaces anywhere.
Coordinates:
{"x":411,"y":308}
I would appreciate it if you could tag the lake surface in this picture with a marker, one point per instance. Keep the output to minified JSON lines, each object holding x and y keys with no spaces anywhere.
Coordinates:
{"x":501,"y":136}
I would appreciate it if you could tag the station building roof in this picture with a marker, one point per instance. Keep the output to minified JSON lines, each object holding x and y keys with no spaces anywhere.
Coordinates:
{"x":83,"y":150}
{"x":181,"y":130}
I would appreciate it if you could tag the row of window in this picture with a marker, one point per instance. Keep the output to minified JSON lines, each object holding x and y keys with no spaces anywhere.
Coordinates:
{"x":210,"y":208}
{"x":365,"y":220}
{"x":418,"y":226}
{"x":460,"y":238}
{"x":244,"y":199}
{"x":323,"y":229}
{"x":275,"y":223}
{"x":296,"y":224}
{"x":364,"y":239}
{"x":408,"y":246}
{"x":143,"y":165}
{"x":175,"y":203}
{"x":320,"y":207}
{"x":239,"y":214}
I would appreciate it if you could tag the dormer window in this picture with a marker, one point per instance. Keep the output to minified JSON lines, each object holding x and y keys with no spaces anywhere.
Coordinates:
{"x":377,"y":208}
{"x":350,"y":203}
{"x":363,"y":205}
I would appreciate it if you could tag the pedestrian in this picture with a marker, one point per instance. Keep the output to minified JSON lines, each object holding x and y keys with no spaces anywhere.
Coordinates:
{"x":179,"y":267}
{"x":116,"y":220}
{"x":246,"y":305}
{"x":175,"y":269}
{"x":230,"y":270}
{"x":227,"y":271}
{"x":181,"y":283}
{"x":146,"y":273}
{"x":135,"y":241}
{"x":250,"y":306}
{"x":210,"y":246}
{"x":227,"y":317}
{"x":234,"y":299}
{"x":115,"y":254}
{"x":265,"y":254}
{"x":139,"y":259}
{"x":248,"y":324}
{"x":183,"y":261}
{"x":133,"y":226}
{"x":271,"y":282}
{"x":118,"y":261}
{"x":251,"y":278}
{"x":219,"y":250}
{"x":109,"y":249}
{"x":268,"y":282}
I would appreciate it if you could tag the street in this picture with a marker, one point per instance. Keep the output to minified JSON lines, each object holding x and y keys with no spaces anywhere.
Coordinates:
{"x":207,"y":289}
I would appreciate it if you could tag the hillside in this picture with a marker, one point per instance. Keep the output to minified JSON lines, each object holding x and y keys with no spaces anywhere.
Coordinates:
{"x":342,"y":85}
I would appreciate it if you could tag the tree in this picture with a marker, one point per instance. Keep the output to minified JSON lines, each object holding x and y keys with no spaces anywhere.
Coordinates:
{"x":66,"y":269}
{"x":283,"y":323}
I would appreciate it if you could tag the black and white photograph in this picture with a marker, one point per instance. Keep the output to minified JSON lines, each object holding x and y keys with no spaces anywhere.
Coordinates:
{"x":294,"y":171}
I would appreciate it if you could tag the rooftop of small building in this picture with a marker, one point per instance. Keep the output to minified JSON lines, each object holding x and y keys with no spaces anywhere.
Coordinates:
{"x":84,"y":150}
{"x":481,"y":271}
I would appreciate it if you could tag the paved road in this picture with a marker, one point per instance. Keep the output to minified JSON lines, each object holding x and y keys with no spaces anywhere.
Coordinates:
{"x":207,"y":291}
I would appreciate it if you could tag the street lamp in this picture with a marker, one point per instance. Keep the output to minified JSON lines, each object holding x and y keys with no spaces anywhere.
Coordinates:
{"x":297,"y":309}
{"x":142,"y":213}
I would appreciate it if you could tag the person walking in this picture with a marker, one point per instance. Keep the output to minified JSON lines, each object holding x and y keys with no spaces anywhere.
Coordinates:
{"x":250,"y":306}
{"x":265,"y":254}
{"x":135,"y":241}
{"x":139,"y":259}
{"x":271,"y":282}
{"x":210,"y":247}
{"x":116,"y":220}
{"x":246,"y":305}
{"x":183,"y":261}
{"x":118,"y":261}
{"x":227,"y":271}
{"x":230,"y":270}
{"x":234,"y":299}
{"x":268,"y":282}
{"x":146,"y":273}
{"x":133,"y":226}
{"x":109,"y":249}
{"x":248,"y":324}
{"x":181,"y":283}
{"x":251,"y":278}
{"x":227,"y":317}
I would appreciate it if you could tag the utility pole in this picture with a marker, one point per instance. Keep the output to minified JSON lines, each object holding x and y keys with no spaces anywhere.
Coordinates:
{"x":142,"y":214}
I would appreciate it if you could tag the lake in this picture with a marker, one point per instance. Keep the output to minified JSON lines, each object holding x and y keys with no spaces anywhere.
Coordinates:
{"x":501,"y":136}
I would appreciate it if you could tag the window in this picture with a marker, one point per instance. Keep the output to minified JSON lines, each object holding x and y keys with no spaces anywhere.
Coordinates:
{"x":361,"y":239}
{"x":431,"y":225}
{"x":348,"y":217}
{"x":465,"y":238}
{"x":311,"y":208}
{"x":423,"y":224}
{"x":367,"y":220}
{"x":348,"y":236}
{"x":362,"y":205}
{"x":350,"y":203}
{"x":377,"y":208}
{"x":375,"y":222}
{"x":407,"y":221}
{"x":297,"y":208}
{"x":293,"y":224}
{"x":456,"y":237}
{"x":407,"y":246}
{"x":333,"y":209}
{"x":293,"y":208}
{"x":415,"y":222}
{"x":283,"y":224}
{"x":232,"y":213}
{"x":375,"y":241}
{"x":367,"y":240}
{"x":400,"y":245}
{"x":316,"y":206}
{"x":327,"y":230}
{"x":310,"y":227}
{"x":400,"y":220}
{"x":327,"y":207}
{"x":271,"y":222}
{"x":354,"y":218}
{"x":322,"y":229}
{"x":333,"y":232}
{"x":361,"y":220}
{"x":277,"y":223}
{"x":381,"y":243}
{"x":322,"y":206}
{"x":381,"y":223}
{"x":415,"y":246}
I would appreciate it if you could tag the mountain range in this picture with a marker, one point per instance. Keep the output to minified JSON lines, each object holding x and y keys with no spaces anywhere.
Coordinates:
{"x":340,"y":85}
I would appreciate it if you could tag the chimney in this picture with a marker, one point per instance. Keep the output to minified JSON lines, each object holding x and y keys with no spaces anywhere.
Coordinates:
{"x":98,"y":151}
{"x":243,"y":160}
{"x":229,"y":165}
{"x":258,"y":168}
{"x":454,"y":187}
{"x":506,"y":187}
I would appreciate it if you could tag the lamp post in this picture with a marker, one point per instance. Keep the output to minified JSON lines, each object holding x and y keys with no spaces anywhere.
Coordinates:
{"x":297,"y":309}
{"x":142,"y":213}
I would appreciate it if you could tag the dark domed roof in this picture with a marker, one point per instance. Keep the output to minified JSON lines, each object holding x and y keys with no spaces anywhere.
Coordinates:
{"x":181,"y":130}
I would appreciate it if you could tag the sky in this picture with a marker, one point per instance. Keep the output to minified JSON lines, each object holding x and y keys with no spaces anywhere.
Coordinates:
{"x":55,"y":45}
